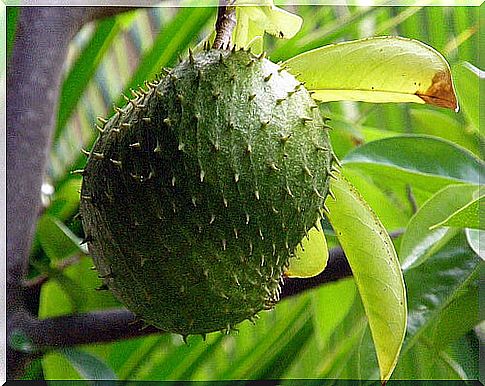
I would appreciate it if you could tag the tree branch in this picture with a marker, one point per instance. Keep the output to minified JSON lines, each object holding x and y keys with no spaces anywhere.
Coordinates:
{"x":93,"y":327}
{"x":33,"y":78}
{"x":226,"y":21}
{"x":111,"y":325}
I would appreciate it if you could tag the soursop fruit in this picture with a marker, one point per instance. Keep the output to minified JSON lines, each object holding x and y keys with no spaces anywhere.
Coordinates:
{"x":198,"y":191}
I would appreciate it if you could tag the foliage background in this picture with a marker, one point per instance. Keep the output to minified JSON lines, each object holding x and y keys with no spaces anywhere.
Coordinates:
{"x":322,"y":333}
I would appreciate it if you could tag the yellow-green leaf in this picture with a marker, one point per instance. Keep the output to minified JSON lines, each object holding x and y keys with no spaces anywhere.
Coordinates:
{"x":378,"y":70}
{"x":470,"y":215}
{"x":254,"y":18}
{"x":311,"y":257}
{"x":375,"y":268}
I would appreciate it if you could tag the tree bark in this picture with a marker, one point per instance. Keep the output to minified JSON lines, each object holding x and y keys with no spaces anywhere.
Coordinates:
{"x":226,"y":21}
{"x":34,"y":75}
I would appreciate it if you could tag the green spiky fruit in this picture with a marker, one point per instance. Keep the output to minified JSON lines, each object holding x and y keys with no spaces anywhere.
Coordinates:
{"x":198,"y":191}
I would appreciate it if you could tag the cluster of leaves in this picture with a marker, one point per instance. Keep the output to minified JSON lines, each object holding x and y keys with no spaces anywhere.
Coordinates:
{"x":417,"y":167}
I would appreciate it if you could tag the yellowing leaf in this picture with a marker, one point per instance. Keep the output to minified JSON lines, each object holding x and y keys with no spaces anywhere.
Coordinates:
{"x":375,"y":268}
{"x":312,"y":258}
{"x":378,"y":70}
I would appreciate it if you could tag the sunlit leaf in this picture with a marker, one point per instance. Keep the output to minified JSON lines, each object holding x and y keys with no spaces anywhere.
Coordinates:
{"x":331,"y":303}
{"x":382,"y":69}
{"x":375,"y":268}
{"x":468,"y":216}
{"x":254,"y":18}
{"x":428,"y":163}
{"x":311,"y":257}
{"x":247,"y":32}
{"x":322,"y":26}
{"x":419,"y":241}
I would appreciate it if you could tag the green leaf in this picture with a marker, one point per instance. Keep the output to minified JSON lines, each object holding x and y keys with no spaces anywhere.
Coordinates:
{"x":173,"y":39}
{"x":12,"y":19}
{"x":74,"y":291}
{"x":56,"y":239}
{"x":439,"y":124}
{"x":125,"y":357}
{"x":419,"y":241}
{"x":56,"y":366}
{"x":87,"y":365}
{"x":311,"y":256}
{"x":378,"y":70}
{"x":476,"y":241}
{"x":436,"y":290}
{"x":331,"y":304}
{"x":470,"y":81}
{"x":390,"y":211}
{"x":254,"y":21}
{"x":83,"y":69}
{"x":471,"y":215}
{"x":253,"y":362}
{"x":179,"y":362}
{"x":424,"y":361}
{"x":428,"y":163}
{"x":457,"y":318}
{"x":376,"y":270}
{"x":65,"y":201}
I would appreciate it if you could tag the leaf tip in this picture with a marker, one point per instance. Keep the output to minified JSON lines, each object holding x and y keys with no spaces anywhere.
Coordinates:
{"x":441,"y":93}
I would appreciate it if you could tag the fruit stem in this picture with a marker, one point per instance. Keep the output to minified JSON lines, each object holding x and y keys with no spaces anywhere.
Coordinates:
{"x":226,"y":21}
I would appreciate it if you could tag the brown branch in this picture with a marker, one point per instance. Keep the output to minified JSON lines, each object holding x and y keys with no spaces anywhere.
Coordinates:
{"x":111,"y":325}
{"x":93,"y":327}
{"x":226,"y":21}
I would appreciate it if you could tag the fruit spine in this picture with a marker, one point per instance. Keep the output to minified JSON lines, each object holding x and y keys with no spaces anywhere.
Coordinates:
{"x":198,"y":191}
